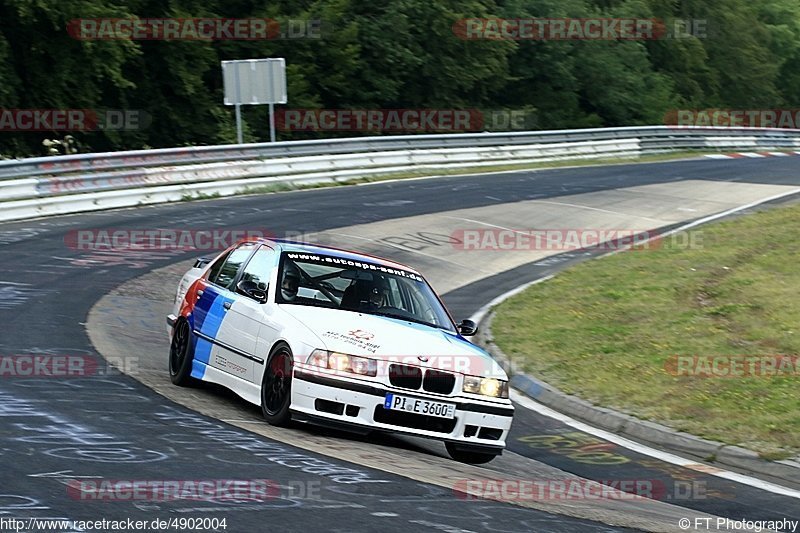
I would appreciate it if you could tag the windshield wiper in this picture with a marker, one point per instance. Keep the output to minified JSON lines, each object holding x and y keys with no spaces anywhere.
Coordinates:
{"x":401,"y":317}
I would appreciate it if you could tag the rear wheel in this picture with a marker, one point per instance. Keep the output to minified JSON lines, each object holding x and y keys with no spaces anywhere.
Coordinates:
{"x":468,"y":456}
{"x":181,"y":354}
{"x":276,"y":387}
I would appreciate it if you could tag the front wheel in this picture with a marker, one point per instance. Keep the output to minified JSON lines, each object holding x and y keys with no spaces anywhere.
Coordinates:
{"x":181,"y":355}
{"x":276,"y":387}
{"x":468,"y":456}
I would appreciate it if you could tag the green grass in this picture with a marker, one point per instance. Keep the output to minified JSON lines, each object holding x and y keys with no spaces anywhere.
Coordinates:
{"x":199,"y":195}
{"x":604,"y":330}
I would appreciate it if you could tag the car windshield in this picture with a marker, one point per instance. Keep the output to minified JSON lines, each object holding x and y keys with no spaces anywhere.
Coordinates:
{"x":336,"y":283}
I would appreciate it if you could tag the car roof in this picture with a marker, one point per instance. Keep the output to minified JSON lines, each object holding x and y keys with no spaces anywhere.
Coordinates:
{"x":306,"y":248}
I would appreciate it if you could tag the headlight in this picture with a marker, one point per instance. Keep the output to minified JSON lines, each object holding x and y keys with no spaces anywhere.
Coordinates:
{"x":318,"y":358}
{"x":343,"y":363}
{"x":486,"y":386}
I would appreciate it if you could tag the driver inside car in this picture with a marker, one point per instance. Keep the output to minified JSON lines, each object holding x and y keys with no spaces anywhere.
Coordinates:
{"x":378,"y":292}
{"x":365,"y":294}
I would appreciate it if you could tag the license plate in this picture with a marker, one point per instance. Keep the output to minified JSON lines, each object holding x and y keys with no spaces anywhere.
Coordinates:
{"x":419,"y":406}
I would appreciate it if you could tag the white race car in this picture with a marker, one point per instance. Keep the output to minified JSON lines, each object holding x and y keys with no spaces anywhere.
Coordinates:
{"x":340,"y":339}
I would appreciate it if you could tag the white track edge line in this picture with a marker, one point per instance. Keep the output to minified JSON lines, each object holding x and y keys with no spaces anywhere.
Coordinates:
{"x":528,"y":403}
{"x":631,"y":445}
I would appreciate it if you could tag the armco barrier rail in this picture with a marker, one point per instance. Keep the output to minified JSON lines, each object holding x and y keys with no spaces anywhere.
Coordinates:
{"x":69,"y":184}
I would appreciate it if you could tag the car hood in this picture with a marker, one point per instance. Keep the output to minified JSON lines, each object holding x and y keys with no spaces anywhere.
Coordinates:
{"x":394,"y":340}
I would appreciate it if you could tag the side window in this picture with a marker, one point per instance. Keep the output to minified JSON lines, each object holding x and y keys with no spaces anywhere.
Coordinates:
{"x":259,"y":268}
{"x":213,"y":272}
{"x":231,"y":266}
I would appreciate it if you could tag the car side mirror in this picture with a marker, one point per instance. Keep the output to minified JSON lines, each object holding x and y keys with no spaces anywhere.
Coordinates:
{"x":200,"y":262}
{"x":251,"y":289}
{"x":467,"y":328}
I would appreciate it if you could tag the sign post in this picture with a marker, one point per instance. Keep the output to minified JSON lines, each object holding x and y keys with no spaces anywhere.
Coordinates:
{"x":272,"y":122}
{"x":239,"y":124}
{"x":254,"y":82}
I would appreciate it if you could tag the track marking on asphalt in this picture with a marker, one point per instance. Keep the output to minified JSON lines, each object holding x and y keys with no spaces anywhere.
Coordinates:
{"x":579,"y":206}
{"x":626,"y":443}
{"x":488,"y":224}
{"x":708,"y":469}
{"x":732,"y":211}
{"x":63,"y":474}
{"x":526,"y":402}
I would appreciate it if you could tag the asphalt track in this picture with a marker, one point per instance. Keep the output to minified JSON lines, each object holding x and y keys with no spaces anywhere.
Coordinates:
{"x":113,"y":427}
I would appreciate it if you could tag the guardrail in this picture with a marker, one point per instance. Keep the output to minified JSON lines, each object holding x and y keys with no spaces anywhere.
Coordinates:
{"x":85,"y":182}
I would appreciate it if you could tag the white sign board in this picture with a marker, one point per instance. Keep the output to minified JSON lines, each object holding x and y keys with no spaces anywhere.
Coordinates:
{"x":254,"y":81}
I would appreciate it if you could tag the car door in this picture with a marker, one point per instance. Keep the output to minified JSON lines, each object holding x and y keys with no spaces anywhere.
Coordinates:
{"x":211,"y":323}
{"x":245,"y":318}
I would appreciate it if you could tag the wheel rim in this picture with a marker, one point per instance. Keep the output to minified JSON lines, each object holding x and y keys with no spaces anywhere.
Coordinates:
{"x":180,"y":343}
{"x":275,"y":391}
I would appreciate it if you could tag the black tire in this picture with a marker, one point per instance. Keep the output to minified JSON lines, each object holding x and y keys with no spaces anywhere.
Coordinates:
{"x":181,"y":354}
{"x":468,"y":456}
{"x":276,"y":386}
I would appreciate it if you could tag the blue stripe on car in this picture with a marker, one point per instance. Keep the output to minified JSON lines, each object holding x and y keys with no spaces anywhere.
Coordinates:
{"x":208,"y":313}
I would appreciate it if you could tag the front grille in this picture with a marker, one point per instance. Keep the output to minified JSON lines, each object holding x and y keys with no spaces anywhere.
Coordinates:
{"x":410,"y":377}
{"x":406,"y":377}
{"x":413,"y":420}
{"x":439,"y":382}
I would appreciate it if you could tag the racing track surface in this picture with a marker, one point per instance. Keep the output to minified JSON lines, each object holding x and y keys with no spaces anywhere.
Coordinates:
{"x":113,"y":427}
